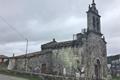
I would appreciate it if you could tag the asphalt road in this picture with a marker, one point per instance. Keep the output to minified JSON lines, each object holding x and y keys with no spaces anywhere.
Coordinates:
{"x":5,"y":77}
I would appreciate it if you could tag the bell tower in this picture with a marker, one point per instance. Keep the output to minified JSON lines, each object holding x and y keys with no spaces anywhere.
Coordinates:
{"x":93,"y":19}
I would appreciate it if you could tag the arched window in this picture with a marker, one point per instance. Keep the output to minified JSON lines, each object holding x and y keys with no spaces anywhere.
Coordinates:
{"x":93,"y":22}
{"x":98,"y":25}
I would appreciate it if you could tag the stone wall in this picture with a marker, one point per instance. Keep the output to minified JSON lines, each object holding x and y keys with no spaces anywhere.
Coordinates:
{"x":34,"y":63}
{"x":67,"y":60}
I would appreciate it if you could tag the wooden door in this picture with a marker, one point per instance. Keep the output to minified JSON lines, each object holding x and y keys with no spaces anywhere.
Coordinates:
{"x":43,"y":69}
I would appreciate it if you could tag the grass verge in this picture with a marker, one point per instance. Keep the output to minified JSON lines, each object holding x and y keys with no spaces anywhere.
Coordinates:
{"x":116,"y":78}
{"x":21,"y":75}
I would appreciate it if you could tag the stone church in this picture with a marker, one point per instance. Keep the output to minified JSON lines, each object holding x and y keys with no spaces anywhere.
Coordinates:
{"x":85,"y":56}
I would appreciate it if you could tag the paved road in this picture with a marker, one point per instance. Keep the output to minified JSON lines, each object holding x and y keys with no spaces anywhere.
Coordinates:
{"x":5,"y":77}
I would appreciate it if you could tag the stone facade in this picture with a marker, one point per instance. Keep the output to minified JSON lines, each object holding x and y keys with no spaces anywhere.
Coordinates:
{"x":85,"y":56}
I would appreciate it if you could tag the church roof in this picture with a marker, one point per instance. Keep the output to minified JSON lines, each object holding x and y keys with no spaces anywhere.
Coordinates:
{"x":57,"y":45}
{"x":33,"y":54}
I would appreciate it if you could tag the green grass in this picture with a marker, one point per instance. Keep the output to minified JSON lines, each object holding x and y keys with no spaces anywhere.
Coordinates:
{"x":116,"y":78}
{"x":20,"y":75}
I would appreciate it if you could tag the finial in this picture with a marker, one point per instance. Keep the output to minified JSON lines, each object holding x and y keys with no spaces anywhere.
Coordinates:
{"x":104,"y":38}
{"x":54,"y":40}
{"x":93,"y":2}
{"x":13,"y":55}
{"x":89,"y":6}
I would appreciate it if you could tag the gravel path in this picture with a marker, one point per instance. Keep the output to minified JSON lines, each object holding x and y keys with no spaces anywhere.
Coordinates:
{"x":5,"y":77}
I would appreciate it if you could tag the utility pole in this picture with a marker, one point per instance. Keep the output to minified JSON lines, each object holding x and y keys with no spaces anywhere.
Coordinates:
{"x":74,"y":35}
{"x":26,"y":60}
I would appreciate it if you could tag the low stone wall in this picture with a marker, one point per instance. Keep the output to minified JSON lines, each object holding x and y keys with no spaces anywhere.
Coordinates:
{"x":51,"y":77}
{"x":4,"y":65}
{"x":47,"y":77}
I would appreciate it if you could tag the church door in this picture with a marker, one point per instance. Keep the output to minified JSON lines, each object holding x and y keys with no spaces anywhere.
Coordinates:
{"x":97,"y":70}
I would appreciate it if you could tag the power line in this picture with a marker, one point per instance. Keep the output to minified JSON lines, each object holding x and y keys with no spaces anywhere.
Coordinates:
{"x":21,"y":35}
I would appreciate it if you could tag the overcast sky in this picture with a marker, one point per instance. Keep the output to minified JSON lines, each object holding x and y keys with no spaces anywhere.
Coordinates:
{"x":42,"y":20}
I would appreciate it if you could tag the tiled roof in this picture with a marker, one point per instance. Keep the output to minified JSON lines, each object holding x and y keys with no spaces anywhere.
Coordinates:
{"x":32,"y":54}
{"x":3,"y":56}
